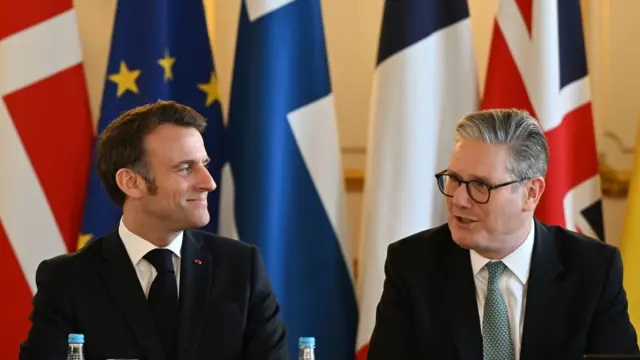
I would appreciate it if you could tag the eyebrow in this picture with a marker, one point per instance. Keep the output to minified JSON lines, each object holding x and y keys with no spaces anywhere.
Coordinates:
{"x":472,"y":177}
{"x":205,"y":161}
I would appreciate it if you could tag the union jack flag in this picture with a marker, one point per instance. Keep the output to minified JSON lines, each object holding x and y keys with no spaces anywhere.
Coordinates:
{"x":46,"y":136}
{"x":538,"y":63}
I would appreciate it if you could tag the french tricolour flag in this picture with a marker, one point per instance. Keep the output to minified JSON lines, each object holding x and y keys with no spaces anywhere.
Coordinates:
{"x":424,"y":82}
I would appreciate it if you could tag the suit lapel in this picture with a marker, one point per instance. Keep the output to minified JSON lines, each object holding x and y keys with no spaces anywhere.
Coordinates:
{"x":461,"y":301}
{"x":120,"y":277}
{"x":542,"y":289}
{"x":195,"y":273}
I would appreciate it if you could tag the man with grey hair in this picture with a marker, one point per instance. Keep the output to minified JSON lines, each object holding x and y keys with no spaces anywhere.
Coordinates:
{"x":494,"y":282}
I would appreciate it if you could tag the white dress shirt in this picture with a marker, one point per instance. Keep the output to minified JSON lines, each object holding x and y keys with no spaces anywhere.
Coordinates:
{"x":512,"y":284}
{"x":138,"y":247}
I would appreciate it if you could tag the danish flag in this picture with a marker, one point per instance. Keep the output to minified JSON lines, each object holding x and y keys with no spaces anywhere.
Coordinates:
{"x":538,"y":63}
{"x":46,"y":135}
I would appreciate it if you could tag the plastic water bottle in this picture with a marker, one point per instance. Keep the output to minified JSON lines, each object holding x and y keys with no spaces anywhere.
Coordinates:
{"x":306,"y":346}
{"x":76,"y":347}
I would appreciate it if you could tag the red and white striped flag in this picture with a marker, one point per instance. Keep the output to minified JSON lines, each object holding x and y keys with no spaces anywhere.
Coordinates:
{"x":424,"y":83}
{"x":46,"y":135}
{"x":538,"y":63}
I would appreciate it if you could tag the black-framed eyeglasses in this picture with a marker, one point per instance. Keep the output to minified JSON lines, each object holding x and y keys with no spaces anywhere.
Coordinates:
{"x":477,"y":190}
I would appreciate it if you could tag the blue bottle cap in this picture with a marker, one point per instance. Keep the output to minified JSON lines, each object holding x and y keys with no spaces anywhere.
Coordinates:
{"x":76,"y":338}
{"x":308,"y":341}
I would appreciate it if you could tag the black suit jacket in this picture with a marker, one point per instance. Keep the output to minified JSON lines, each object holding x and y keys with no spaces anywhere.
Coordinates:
{"x":575,"y":302}
{"x":227,"y":307}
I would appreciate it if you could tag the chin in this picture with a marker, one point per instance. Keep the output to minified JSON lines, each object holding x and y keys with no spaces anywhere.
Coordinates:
{"x":465,"y":241}
{"x":200,"y":221}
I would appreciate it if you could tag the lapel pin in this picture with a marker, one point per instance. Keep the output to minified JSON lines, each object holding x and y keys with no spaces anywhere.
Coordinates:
{"x":197,"y":261}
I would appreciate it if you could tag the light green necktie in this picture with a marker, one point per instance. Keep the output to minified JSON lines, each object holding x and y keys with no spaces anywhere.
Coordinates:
{"x":496,"y":335}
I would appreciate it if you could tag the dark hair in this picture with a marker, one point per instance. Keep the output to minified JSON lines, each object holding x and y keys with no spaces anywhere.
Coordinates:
{"x":121,"y":144}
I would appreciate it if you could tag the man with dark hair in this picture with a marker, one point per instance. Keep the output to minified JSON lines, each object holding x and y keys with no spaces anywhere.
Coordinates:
{"x":155,"y":288}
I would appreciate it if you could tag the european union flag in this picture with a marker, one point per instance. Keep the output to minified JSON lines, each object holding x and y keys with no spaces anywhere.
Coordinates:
{"x":160,"y":50}
{"x":285,"y":168}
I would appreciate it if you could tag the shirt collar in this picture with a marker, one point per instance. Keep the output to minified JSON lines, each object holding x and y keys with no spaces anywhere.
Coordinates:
{"x":519,"y":261}
{"x":138,"y":247}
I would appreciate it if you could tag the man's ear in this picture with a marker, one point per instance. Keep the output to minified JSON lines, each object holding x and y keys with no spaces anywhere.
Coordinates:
{"x":533,"y":192}
{"x":130,"y":183}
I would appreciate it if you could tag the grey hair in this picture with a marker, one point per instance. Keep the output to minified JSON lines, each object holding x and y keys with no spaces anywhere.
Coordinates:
{"x":527,"y":144}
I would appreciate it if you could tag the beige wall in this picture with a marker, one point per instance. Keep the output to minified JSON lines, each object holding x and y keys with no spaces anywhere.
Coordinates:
{"x":352,"y":28}
{"x":612,"y":31}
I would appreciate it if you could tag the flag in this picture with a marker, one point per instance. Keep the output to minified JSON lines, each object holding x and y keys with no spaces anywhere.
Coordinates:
{"x":46,"y":135}
{"x":160,"y":49}
{"x":287,"y":190}
{"x":425,"y":81}
{"x":630,"y":241}
{"x":537,"y":62}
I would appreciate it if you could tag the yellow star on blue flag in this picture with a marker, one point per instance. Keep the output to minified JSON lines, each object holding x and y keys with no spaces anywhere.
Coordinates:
{"x":167,"y":65}
{"x":211,"y":89}
{"x":125,"y":79}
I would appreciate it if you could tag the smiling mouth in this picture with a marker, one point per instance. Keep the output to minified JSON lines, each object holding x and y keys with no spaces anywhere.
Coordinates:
{"x":464,"y":220}
{"x":198,"y":200}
